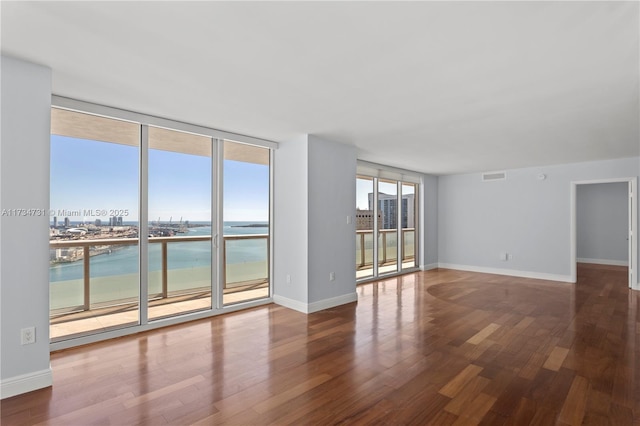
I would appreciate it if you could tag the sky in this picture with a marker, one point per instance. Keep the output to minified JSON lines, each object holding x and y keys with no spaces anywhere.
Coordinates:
{"x":94,"y":177}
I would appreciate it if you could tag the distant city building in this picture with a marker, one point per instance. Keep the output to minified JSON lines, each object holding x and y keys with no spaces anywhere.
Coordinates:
{"x":77,"y":231}
{"x":115,"y":221}
{"x":66,"y":254}
{"x":98,"y":222}
{"x":388,"y":206}
{"x":55,"y":221}
{"x":67,"y":222}
{"x":364,"y":219}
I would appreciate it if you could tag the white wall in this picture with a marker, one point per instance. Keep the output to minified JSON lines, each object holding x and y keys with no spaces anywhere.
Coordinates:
{"x":290,"y":222}
{"x":332,"y":241}
{"x":522,"y":215}
{"x":602,"y":223}
{"x":429,"y":234}
{"x":314,"y":193}
{"x":24,"y":242}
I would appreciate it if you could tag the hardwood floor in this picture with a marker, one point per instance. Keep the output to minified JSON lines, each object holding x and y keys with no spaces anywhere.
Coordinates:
{"x":440,"y":347}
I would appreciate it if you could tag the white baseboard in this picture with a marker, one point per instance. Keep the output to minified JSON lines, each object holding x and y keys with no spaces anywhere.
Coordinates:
{"x":290,"y":303}
{"x":603,"y":261}
{"x":509,"y":272}
{"x":428,"y":267}
{"x":26,"y":383}
{"x":333,"y":302}
{"x":307,"y":308}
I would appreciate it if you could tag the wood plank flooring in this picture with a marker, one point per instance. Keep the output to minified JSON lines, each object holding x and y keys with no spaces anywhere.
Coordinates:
{"x":440,"y":347}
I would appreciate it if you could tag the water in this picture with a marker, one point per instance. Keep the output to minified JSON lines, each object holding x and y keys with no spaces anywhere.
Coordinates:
{"x":183,"y":255}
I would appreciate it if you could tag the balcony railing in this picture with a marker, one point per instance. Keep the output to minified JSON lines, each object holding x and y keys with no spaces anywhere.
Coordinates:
{"x":387,"y":247}
{"x":235,"y":274}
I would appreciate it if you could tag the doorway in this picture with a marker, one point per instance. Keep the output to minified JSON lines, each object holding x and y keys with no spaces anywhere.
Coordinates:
{"x":386,"y":226}
{"x":582,"y":244}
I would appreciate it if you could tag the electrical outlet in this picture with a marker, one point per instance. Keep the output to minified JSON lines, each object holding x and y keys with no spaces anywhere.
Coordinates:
{"x":332,"y":276}
{"x":28,"y":335}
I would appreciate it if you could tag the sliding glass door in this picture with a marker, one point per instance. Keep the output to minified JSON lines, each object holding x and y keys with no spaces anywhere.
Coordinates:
{"x":151,"y":222}
{"x":408,"y":236}
{"x":180,"y":222}
{"x":387,"y":206}
{"x":386,"y":212}
{"x":246,"y":222}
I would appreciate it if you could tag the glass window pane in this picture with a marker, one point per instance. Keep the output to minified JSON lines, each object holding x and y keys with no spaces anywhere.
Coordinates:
{"x":246,"y":222}
{"x":388,"y":235}
{"x":408,"y":215}
{"x":180,"y":174}
{"x":364,"y":227}
{"x":94,"y":280}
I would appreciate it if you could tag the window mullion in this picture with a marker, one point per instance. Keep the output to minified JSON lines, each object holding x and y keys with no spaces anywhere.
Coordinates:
{"x":218,"y":263}
{"x":143,"y":229}
{"x":399,"y":233}
{"x":376,"y":227}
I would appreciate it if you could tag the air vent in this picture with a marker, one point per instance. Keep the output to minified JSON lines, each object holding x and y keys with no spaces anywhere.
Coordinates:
{"x":491,"y":176}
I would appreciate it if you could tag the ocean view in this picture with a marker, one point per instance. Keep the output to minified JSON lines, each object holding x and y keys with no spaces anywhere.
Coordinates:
{"x":91,"y":203}
{"x":181,"y":255}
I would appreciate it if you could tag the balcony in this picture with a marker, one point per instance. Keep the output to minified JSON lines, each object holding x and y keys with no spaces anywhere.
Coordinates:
{"x":92,"y":304}
{"x":387,"y":251}
{"x":100,"y":303}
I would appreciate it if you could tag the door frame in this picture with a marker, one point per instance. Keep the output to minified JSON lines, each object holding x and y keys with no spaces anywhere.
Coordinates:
{"x":632,"y":207}
{"x":399,"y":181}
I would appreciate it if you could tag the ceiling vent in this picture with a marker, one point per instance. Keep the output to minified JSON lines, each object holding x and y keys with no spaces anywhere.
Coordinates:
{"x":491,"y":176}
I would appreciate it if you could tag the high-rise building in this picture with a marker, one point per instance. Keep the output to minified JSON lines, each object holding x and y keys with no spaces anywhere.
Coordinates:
{"x":55,"y":221}
{"x":67,"y":222}
{"x":388,"y":207}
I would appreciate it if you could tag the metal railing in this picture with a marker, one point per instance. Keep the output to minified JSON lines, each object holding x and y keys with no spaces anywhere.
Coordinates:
{"x":383,"y":256}
{"x":163,"y":241}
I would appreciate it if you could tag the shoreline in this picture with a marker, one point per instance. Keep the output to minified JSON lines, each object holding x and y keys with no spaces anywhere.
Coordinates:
{"x":92,"y":253}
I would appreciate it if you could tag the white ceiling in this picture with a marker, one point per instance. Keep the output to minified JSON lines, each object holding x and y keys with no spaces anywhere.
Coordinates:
{"x":434,"y":87}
